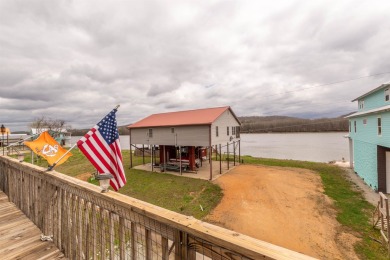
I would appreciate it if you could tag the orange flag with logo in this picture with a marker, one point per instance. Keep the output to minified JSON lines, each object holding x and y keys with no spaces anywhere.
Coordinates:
{"x":48,"y":148}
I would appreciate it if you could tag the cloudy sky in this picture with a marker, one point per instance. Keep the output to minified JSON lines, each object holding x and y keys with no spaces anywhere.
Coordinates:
{"x":76,"y":60}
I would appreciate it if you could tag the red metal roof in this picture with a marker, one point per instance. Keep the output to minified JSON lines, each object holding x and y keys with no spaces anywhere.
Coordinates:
{"x":204,"y":116}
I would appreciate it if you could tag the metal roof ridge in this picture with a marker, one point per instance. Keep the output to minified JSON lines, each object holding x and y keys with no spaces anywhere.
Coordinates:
{"x":197,"y":109}
{"x":212,"y":110}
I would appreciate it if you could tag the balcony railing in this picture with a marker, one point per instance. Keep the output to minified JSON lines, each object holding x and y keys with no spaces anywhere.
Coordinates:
{"x":88,"y":224}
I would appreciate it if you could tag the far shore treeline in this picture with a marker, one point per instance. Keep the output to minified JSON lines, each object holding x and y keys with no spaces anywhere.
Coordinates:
{"x":284,"y":124}
{"x":122,"y":130}
{"x":271,"y":124}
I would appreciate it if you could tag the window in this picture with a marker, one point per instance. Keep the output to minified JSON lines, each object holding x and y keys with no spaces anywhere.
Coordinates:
{"x":361,"y":104}
{"x":227,"y":130}
{"x":365,"y":121}
{"x":216,"y":131}
{"x":237,"y":132}
{"x":349,"y":126}
{"x":233,"y":130}
{"x":354,"y":125}
{"x":172,"y":130}
{"x":379,"y":126}
{"x":387,"y":93}
{"x":150,"y":133}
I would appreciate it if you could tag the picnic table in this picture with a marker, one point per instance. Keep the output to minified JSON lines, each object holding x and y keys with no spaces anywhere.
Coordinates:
{"x":173,"y":167}
{"x":183,"y":161}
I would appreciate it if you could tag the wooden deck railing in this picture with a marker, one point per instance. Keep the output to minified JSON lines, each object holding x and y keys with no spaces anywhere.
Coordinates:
{"x":381,"y":219}
{"x":88,"y":224}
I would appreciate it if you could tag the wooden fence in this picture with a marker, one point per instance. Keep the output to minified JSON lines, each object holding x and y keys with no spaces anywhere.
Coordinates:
{"x":381,"y":219}
{"x":88,"y":224}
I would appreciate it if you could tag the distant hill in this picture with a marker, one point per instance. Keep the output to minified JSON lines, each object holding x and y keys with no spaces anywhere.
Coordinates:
{"x":80,"y":132}
{"x":123,"y":130}
{"x":283,"y":124}
{"x":267,"y":124}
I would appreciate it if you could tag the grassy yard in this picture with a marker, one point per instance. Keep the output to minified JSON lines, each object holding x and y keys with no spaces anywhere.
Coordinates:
{"x":353,"y":211}
{"x":187,"y":196}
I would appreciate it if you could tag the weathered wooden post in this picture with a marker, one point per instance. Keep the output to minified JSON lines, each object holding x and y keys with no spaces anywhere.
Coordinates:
{"x":131,"y":151}
{"x":234,"y":153}
{"x":220,"y":159}
{"x":227,"y":159}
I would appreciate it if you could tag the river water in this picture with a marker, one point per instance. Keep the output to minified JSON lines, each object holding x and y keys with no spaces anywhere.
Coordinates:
{"x":316,"y":147}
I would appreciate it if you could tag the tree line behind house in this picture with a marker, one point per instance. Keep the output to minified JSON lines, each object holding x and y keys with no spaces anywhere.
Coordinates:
{"x":278,"y":124}
{"x":249,"y":124}
{"x":122,"y":130}
{"x":284,"y":124}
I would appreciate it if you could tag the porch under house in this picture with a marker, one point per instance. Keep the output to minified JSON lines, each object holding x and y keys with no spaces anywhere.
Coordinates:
{"x":186,"y":142}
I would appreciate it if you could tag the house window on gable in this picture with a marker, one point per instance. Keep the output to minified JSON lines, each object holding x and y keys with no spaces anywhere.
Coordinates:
{"x":150,"y":133}
{"x":172,"y":130}
{"x":227,"y":130}
{"x":237,"y":132}
{"x":379,"y":126}
{"x":365,"y":121}
{"x":354,"y":125}
{"x":349,"y":126}
{"x":361,"y":104}
{"x":233,"y":130}
{"x":216,"y":131}
{"x":387,"y":94}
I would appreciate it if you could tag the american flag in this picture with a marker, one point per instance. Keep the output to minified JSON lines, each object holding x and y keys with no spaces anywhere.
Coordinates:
{"x":102,"y":148}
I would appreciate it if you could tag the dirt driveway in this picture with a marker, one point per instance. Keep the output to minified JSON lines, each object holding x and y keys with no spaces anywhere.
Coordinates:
{"x":283,"y":206}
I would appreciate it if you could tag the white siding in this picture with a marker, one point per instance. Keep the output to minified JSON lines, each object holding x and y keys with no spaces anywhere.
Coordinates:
{"x":182,"y":136}
{"x":224,"y":121}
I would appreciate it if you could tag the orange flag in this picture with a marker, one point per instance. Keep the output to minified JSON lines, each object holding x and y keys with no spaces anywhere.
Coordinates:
{"x":48,"y":148}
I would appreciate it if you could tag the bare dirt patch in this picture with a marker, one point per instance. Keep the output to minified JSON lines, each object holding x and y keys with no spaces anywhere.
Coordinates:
{"x":283,"y":206}
{"x":84,"y":176}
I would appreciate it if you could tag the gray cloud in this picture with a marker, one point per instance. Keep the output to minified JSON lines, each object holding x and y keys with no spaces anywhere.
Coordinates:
{"x":77,"y":60}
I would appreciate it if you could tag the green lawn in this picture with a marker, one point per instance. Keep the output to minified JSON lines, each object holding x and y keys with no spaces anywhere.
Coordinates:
{"x":181,"y":194}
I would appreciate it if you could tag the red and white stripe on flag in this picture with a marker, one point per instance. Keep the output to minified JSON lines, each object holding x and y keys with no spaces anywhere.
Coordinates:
{"x":102,"y":148}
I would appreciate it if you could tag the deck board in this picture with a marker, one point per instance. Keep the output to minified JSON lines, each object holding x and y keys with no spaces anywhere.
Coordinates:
{"x":20,"y":238}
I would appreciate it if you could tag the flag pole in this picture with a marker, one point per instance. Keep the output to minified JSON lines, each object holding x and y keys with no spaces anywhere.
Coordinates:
{"x":54,"y":164}
{"x":22,"y":140}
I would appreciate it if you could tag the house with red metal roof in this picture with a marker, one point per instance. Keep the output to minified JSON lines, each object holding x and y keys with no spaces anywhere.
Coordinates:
{"x":183,"y":137}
